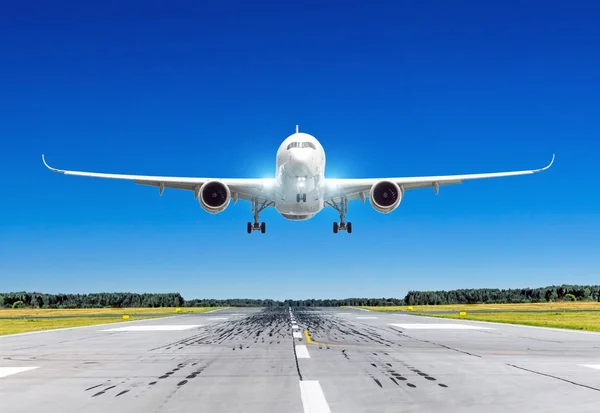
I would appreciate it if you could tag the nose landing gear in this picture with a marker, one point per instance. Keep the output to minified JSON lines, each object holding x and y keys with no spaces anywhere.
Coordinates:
{"x":342,"y":208}
{"x":300,"y":197}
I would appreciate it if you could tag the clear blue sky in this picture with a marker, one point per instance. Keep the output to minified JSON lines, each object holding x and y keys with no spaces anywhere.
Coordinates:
{"x":212,"y":88}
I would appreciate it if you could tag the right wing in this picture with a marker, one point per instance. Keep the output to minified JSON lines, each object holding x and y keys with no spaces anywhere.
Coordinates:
{"x":244,"y":188}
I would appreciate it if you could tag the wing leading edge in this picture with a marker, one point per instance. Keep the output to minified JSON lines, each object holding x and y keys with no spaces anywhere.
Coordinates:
{"x":359,"y":188}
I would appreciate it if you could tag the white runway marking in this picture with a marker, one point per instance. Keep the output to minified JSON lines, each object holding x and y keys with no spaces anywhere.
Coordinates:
{"x":416,"y":326}
{"x":313,"y":399}
{"x":212,"y":311}
{"x":365,"y":318}
{"x":302,"y":352}
{"x":8,"y":371}
{"x":297,"y":334}
{"x":342,"y":313}
{"x":219,"y":318}
{"x":591,"y":366}
{"x":173,"y":327}
{"x":361,"y":309}
{"x":295,"y":327}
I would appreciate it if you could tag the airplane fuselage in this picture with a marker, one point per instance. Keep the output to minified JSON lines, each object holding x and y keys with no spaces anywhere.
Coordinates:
{"x":300,"y":177}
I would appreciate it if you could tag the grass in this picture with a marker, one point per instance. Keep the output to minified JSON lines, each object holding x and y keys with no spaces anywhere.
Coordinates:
{"x":555,"y":306}
{"x":574,"y":320}
{"x":38,"y":312}
{"x":23,"y":320}
{"x":583,"y":315}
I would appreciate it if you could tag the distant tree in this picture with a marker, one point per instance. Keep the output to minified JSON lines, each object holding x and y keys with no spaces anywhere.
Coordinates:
{"x":18,"y":304}
{"x":570,"y":297}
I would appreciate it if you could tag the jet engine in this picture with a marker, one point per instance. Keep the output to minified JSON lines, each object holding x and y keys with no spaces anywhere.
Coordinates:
{"x":214,"y":196}
{"x":385,"y":196}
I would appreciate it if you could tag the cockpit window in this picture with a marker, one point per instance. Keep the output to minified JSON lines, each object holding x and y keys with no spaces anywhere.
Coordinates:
{"x":302,"y":145}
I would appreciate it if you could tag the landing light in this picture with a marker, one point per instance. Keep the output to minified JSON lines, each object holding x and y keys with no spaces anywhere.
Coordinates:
{"x":268,"y":182}
{"x":331,"y":184}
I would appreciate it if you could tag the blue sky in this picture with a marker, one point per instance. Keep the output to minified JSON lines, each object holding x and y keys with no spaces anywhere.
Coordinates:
{"x":212,"y":88}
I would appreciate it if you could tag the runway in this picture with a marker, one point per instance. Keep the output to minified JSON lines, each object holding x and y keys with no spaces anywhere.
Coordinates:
{"x":301,"y":360}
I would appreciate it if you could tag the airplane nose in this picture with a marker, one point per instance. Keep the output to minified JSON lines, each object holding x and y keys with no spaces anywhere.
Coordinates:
{"x":300,"y":163}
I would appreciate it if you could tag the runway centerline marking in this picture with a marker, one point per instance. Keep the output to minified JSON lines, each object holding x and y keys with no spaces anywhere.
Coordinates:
{"x":417,"y":326}
{"x":297,"y":334}
{"x":313,"y":399}
{"x":9,"y":371}
{"x":295,"y":327}
{"x":172,"y":327}
{"x":302,"y":352}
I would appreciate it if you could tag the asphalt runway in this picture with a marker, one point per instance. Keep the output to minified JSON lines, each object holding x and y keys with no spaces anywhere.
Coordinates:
{"x":262,"y":360}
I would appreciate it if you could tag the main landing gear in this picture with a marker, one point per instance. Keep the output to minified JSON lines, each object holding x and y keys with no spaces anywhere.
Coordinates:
{"x":257,"y":209}
{"x":300,"y":197}
{"x":342,"y":208}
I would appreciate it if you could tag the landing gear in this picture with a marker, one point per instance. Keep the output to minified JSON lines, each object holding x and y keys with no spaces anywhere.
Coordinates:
{"x":257,"y":209}
{"x":342,"y":208}
{"x":300,"y":197}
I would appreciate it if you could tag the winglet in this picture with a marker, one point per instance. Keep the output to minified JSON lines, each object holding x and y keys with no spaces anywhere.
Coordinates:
{"x":49,"y":167}
{"x":296,"y":128}
{"x":547,"y":166}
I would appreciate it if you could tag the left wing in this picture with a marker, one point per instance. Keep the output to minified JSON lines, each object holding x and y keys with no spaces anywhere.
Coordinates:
{"x":243,"y":188}
{"x":359,"y":188}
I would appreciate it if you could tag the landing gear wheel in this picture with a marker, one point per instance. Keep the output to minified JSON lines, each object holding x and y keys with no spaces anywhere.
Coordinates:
{"x":256,"y":210}
{"x":342,"y":208}
{"x":297,"y":197}
{"x":303,"y":197}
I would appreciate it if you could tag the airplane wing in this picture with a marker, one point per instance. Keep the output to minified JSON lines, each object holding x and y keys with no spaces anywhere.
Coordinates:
{"x":241,"y":188}
{"x":359,"y":188}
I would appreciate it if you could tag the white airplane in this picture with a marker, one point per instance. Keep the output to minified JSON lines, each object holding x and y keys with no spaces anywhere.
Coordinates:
{"x":299,"y":190}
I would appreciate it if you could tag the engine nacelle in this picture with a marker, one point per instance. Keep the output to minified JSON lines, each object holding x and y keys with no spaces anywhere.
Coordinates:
{"x":385,"y":196}
{"x":214,"y":196}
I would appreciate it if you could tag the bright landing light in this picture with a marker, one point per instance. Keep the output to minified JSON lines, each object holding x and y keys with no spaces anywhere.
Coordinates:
{"x":332,"y":184}
{"x":268,"y":182}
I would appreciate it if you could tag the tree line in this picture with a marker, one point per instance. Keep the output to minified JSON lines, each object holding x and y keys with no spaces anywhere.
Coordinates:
{"x":464,"y":296}
{"x":497,"y":296}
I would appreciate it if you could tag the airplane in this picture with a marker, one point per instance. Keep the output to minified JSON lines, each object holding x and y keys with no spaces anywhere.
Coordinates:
{"x":299,"y":189}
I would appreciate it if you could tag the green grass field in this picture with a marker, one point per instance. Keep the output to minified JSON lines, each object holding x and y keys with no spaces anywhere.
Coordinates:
{"x":24,"y":325}
{"x":571,"y":315}
{"x":573,"y":320}
{"x":22,"y":320}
